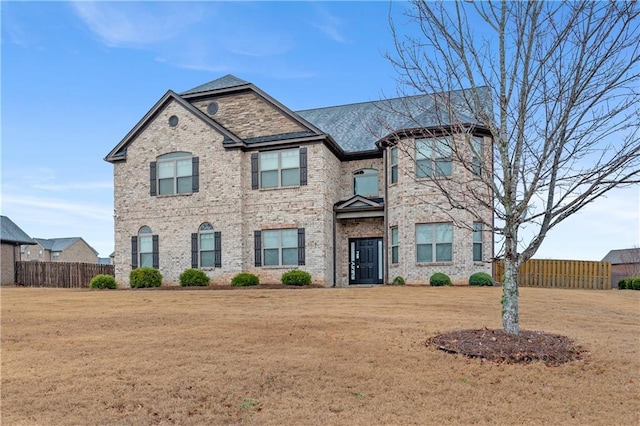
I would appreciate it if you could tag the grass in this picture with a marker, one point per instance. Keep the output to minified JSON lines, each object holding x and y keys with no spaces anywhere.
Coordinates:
{"x":317,"y":356}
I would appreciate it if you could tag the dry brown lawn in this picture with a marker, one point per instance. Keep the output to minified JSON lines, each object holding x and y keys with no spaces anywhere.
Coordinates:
{"x":308,"y":357}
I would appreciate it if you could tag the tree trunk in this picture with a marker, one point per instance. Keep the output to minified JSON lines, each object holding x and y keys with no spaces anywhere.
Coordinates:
{"x":510,"y":319}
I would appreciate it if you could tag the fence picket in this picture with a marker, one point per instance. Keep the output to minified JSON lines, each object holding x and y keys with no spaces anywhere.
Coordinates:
{"x":552,"y":273}
{"x":59,"y":274}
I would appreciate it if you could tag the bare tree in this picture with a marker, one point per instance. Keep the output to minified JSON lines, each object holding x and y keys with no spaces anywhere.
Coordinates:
{"x":563,"y":107}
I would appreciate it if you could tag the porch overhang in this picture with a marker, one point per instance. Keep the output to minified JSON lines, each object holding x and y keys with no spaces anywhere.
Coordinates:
{"x":358,"y":207}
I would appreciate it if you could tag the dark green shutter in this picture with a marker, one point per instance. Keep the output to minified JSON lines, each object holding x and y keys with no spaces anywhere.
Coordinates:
{"x":134,"y":252}
{"x":156,"y":253}
{"x":152,"y":179}
{"x":195,"y":174}
{"x":217,"y":249}
{"x":301,"y":251}
{"x":194,"y":251}
{"x":254,"y":171}
{"x":257,"y":245}
{"x":303,"y":166}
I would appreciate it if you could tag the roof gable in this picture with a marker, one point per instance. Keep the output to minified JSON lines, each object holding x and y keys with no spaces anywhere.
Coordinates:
{"x":11,"y":233}
{"x":226,"y":82}
{"x":119,"y":153}
{"x":616,"y":257}
{"x":61,"y":244}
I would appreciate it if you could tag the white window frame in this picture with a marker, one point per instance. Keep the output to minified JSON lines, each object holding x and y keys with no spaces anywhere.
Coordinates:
{"x":173,"y":161}
{"x":279,"y":246}
{"x":395,"y":254}
{"x":206,"y":232}
{"x":393,"y":161}
{"x":280,"y":169}
{"x":477,"y":146}
{"x":437,"y":233}
{"x":477,"y":240}
{"x":145,"y":240}
{"x":365,"y":174}
{"x":431,"y":155}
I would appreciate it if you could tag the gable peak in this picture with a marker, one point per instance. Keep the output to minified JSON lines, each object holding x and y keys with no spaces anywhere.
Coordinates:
{"x":225,"y":82}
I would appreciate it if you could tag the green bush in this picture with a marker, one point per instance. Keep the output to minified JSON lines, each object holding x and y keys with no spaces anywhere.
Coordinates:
{"x":296,"y":277}
{"x":103,"y":281}
{"x":398,"y":281}
{"x":439,"y":279}
{"x":145,"y":277}
{"x":631,"y":283}
{"x":635,"y":283}
{"x":481,"y":279}
{"x":622,"y":284}
{"x":244,"y":279}
{"x":193,"y":277}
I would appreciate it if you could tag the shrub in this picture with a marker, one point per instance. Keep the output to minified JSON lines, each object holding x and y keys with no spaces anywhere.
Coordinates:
{"x":635,"y":283}
{"x":296,"y":277}
{"x":398,"y":281}
{"x":193,"y":277}
{"x":439,"y":279}
{"x":481,"y":279}
{"x":103,"y":281}
{"x":244,"y":279}
{"x":622,"y":284}
{"x":145,"y":277}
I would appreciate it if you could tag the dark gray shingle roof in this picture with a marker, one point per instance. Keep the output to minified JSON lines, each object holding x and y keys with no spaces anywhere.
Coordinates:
{"x":221,"y":83}
{"x":11,"y":233}
{"x":356,"y":127}
{"x":616,"y":257}
{"x":56,"y":244}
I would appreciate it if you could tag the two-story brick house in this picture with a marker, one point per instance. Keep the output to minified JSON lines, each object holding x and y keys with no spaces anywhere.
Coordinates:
{"x":225,"y":178}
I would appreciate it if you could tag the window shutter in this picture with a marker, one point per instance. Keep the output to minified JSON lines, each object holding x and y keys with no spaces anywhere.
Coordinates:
{"x":194,"y":251}
{"x":217,"y":249}
{"x":134,"y":252}
{"x":301,"y":253}
{"x":152,"y":179}
{"x":254,"y":171}
{"x":156,"y":254}
{"x":303,"y":166}
{"x":195,"y":174}
{"x":257,"y":245}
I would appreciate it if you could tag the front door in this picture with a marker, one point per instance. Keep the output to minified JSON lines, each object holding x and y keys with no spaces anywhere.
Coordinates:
{"x":365,"y":261}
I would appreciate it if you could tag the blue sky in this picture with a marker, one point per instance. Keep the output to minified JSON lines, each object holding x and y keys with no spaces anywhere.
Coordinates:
{"x":76,"y":77}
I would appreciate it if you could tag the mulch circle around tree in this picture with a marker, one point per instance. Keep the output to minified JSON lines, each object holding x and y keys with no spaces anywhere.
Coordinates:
{"x":499,"y":346}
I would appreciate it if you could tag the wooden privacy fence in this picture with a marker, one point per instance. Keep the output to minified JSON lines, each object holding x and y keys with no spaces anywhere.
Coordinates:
{"x":59,"y":274}
{"x":560,"y":274}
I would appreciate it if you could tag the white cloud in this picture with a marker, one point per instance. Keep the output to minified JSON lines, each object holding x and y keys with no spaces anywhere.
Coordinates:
{"x":75,"y":186}
{"x":135,"y":24}
{"x":329,"y":24}
{"x":47,"y":206}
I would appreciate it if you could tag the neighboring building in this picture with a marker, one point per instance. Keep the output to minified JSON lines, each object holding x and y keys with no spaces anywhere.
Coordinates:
{"x":625,"y":263}
{"x":11,"y":239}
{"x":73,"y":249}
{"x":225,"y":178}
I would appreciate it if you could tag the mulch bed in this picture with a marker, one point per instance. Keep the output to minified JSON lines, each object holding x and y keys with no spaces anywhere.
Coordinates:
{"x":498,"y":346}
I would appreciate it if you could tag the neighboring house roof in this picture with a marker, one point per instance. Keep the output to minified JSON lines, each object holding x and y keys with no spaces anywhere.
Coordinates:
{"x":225,"y":82}
{"x":60,"y":244}
{"x":104,"y":261}
{"x":12,"y":234}
{"x":616,"y":257}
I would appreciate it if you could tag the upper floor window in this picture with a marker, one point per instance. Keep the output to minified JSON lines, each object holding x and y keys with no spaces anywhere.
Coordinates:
{"x":206,"y":248}
{"x":477,"y":241}
{"x":365,"y":182}
{"x":394,"y":245}
{"x":274,"y":169}
{"x":476,"y":155}
{"x":394,"y":164}
{"x":175,"y":173}
{"x":433,"y":157}
{"x":434,"y":242}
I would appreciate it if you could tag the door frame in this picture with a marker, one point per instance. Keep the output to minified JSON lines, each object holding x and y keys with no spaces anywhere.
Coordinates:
{"x":353,"y":256}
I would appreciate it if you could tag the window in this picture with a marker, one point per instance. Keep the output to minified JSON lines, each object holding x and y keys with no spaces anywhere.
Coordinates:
{"x":394,"y":245}
{"x":278,"y":247}
{"x":476,"y":155}
{"x":279,"y":168}
{"x":394,"y":164}
{"x":365,"y":182}
{"x":55,"y":255}
{"x":433,"y":157}
{"x":144,"y":249}
{"x":145,"y":240}
{"x":275,"y":169}
{"x":477,"y":241}
{"x":174,"y":173}
{"x":206,"y":250}
{"x":434,"y":242}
